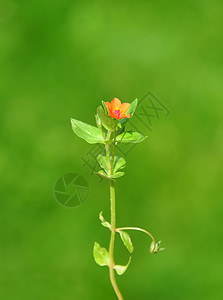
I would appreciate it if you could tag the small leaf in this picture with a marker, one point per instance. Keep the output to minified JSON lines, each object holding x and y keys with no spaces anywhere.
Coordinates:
{"x":121,"y":269}
{"x":117,"y":175}
{"x":102,"y":159}
{"x":103,"y":221}
{"x":108,"y":122}
{"x":130,"y":137}
{"x":131,"y":110}
{"x":89,"y":133}
{"x":127,"y":240}
{"x":132,"y":107}
{"x":119,"y":163}
{"x":156,"y":248}
{"x":101,"y":255}
{"x":104,"y":175}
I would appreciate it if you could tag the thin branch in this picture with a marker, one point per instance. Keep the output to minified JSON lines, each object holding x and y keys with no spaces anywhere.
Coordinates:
{"x":138,"y":229}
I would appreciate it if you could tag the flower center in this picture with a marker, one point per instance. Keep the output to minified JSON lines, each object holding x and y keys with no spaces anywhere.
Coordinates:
{"x":117,"y":112}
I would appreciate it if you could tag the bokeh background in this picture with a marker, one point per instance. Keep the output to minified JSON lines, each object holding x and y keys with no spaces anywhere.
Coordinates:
{"x":59,"y":59}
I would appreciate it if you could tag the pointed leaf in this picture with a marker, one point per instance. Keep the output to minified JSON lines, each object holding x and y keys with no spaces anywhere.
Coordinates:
{"x":130,"y":137}
{"x":132,"y":107}
{"x":102,"y":173}
{"x":102,"y":159}
{"x":117,"y":175}
{"x":127,"y":240}
{"x":103,"y":221}
{"x":108,"y":122}
{"x":119,"y":163}
{"x":101,"y":255}
{"x":121,"y":269}
{"x":89,"y":133}
{"x":131,"y":110}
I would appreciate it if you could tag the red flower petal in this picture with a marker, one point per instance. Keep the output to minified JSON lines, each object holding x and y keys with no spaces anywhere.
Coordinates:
{"x":115,"y":104}
{"x":124,"y":107}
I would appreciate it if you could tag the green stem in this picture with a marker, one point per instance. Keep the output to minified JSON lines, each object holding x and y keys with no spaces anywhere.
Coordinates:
{"x":112,"y":241}
{"x":113,"y":219}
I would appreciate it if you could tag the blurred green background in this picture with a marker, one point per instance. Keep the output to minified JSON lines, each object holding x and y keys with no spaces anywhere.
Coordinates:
{"x":59,"y":59}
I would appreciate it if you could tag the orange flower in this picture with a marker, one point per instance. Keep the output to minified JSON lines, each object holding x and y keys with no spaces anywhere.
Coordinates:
{"x":118,"y":110}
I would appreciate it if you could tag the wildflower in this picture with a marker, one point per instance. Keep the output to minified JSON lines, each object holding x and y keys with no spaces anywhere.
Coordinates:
{"x":118,"y":110}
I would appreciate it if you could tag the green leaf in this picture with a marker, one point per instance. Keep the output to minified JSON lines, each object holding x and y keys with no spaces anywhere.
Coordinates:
{"x":103,"y":174}
{"x":132,"y":107}
{"x":102,"y":159}
{"x":103,"y":221}
{"x":130,"y":137}
{"x":119,"y":163}
{"x":104,"y":107}
{"x":89,"y":133}
{"x":101,"y":255}
{"x":127,"y":240}
{"x":155,"y":248}
{"x":108,"y":122}
{"x":121,"y":269}
{"x":131,"y":110}
{"x":117,"y":175}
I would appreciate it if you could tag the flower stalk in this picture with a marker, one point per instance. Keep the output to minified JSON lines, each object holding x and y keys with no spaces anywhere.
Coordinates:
{"x":113,"y":117}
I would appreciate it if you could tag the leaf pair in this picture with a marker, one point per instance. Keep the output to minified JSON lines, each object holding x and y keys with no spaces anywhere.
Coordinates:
{"x":125,"y":237}
{"x":118,"y":164}
{"x":101,"y":257}
{"x":93,"y":135}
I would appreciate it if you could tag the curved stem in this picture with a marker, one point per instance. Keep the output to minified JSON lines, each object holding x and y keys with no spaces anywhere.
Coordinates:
{"x":139,"y":229}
